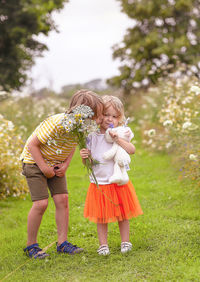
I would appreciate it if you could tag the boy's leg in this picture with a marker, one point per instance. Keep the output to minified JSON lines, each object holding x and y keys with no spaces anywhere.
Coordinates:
{"x":37,"y":183}
{"x":58,"y":188}
{"x":62,"y":216}
{"x":34,"y":220}
{"x":62,"y":219}
{"x":124,"y":230}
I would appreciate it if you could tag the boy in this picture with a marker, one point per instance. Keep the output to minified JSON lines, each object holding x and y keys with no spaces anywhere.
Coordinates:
{"x":46,"y":157}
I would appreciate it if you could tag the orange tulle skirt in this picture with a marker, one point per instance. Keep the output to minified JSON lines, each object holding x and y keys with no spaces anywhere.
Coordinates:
{"x":111,"y":202}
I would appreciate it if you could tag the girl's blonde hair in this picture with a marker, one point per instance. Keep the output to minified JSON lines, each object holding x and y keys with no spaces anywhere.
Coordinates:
{"x":117,"y":105}
{"x":88,"y":98}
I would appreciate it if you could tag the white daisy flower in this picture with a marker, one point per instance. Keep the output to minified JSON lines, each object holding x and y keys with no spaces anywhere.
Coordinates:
{"x":186,"y":124}
{"x":195,"y":89}
{"x":167,"y":122}
{"x":151,"y":132}
{"x":193,"y":157}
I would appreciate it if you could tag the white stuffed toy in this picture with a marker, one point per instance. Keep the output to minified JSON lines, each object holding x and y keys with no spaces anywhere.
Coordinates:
{"x":119,"y":155}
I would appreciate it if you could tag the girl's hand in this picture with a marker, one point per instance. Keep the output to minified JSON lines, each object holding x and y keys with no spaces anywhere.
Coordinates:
{"x":48,"y":171}
{"x":60,"y":169}
{"x":85,"y":153}
{"x":126,"y":145}
{"x":114,"y":135}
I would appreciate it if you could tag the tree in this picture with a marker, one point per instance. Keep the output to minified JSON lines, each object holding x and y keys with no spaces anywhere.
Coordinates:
{"x":20,"y":22}
{"x":165,"y":34}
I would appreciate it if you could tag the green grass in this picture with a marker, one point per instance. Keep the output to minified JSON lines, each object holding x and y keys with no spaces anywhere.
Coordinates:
{"x":165,"y":239}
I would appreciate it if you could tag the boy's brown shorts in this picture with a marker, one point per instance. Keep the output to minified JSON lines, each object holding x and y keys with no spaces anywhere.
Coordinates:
{"x":38,"y":183}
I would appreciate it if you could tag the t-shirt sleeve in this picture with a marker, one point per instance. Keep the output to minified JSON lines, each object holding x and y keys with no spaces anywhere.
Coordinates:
{"x":47,"y":129}
{"x":131,"y":134}
{"x":89,"y":142}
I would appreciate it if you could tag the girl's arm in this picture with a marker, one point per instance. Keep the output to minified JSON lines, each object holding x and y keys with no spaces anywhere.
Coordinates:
{"x":34,"y":148}
{"x":127,"y":146}
{"x":60,"y":169}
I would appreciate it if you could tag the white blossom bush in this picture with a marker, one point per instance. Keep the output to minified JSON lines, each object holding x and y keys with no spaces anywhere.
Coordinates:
{"x":12,"y":183}
{"x":27,"y":112}
{"x":19,"y":118}
{"x":175,"y":124}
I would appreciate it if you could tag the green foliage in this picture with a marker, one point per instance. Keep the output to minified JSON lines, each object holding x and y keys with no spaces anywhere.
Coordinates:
{"x":165,"y":33}
{"x":20,"y":22}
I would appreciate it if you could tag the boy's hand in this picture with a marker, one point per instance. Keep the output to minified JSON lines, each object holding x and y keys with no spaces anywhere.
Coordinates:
{"x":60,"y":169}
{"x":85,"y":153}
{"x":48,"y":171}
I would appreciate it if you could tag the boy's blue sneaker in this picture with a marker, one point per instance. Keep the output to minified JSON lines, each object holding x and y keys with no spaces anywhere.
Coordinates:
{"x":68,"y":248}
{"x":34,"y":251}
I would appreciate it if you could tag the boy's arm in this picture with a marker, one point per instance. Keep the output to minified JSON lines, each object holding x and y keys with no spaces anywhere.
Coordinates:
{"x":34,"y":148}
{"x":60,"y":169}
{"x":68,"y":159}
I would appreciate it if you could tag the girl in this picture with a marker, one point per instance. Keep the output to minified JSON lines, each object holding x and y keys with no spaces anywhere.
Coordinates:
{"x":110,"y":202}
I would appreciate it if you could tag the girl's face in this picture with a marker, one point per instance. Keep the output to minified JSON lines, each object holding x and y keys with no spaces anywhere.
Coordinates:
{"x":110,"y":116}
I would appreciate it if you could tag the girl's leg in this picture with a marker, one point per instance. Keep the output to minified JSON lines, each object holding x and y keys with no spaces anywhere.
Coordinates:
{"x":102,"y":230}
{"x":126,"y":246}
{"x":34,"y":220}
{"x":124,"y":230}
{"x":62,"y":216}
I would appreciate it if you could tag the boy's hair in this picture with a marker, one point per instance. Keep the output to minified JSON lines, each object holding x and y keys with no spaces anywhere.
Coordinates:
{"x":117,"y":105}
{"x":88,"y":98}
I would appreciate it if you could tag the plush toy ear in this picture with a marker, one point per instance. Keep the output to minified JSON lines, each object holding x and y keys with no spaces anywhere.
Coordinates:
{"x":108,"y":137}
{"x":124,"y":133}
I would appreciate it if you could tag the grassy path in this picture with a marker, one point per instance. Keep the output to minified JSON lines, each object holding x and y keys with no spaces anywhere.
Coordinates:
{"x":165,"y":239}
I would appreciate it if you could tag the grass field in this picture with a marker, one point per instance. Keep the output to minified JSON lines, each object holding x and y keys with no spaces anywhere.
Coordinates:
{"x":166,"y":241}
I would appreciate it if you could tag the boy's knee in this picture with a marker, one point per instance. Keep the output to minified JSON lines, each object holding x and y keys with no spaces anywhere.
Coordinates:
{"x":41,"y":205}
{"x":61,"y":200}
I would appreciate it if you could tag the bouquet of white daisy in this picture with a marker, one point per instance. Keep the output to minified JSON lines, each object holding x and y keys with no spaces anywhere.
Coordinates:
{"x":80,"y":124}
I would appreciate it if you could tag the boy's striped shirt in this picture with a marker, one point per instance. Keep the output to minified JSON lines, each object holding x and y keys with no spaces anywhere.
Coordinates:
{"x":48,"y":132}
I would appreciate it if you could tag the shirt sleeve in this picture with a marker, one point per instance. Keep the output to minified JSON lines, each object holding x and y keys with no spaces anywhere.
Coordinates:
{"x":47,"y":129}
{"x":131,"y":134}
{"x":89,"y":142}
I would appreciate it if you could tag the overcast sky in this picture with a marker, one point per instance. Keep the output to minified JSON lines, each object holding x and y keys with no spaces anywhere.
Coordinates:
{"x":82,"y":50}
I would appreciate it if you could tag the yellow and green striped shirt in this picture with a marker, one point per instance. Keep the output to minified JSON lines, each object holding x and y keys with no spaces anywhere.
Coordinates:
{"x":55,"y":146}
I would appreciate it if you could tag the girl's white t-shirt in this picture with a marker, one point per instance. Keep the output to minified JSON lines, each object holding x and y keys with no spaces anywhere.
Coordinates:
{"x":98,"y":145}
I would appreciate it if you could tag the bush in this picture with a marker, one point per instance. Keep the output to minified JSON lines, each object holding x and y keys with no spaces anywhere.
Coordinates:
{"x":27,"y":112}
{"x":12,"y":183}
{"x":173,"y":125}
{"x":21,"y":116}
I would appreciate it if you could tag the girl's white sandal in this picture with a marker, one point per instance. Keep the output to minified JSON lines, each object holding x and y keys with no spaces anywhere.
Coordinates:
{"x":126,"y":247}
{"x":103,"y":250}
